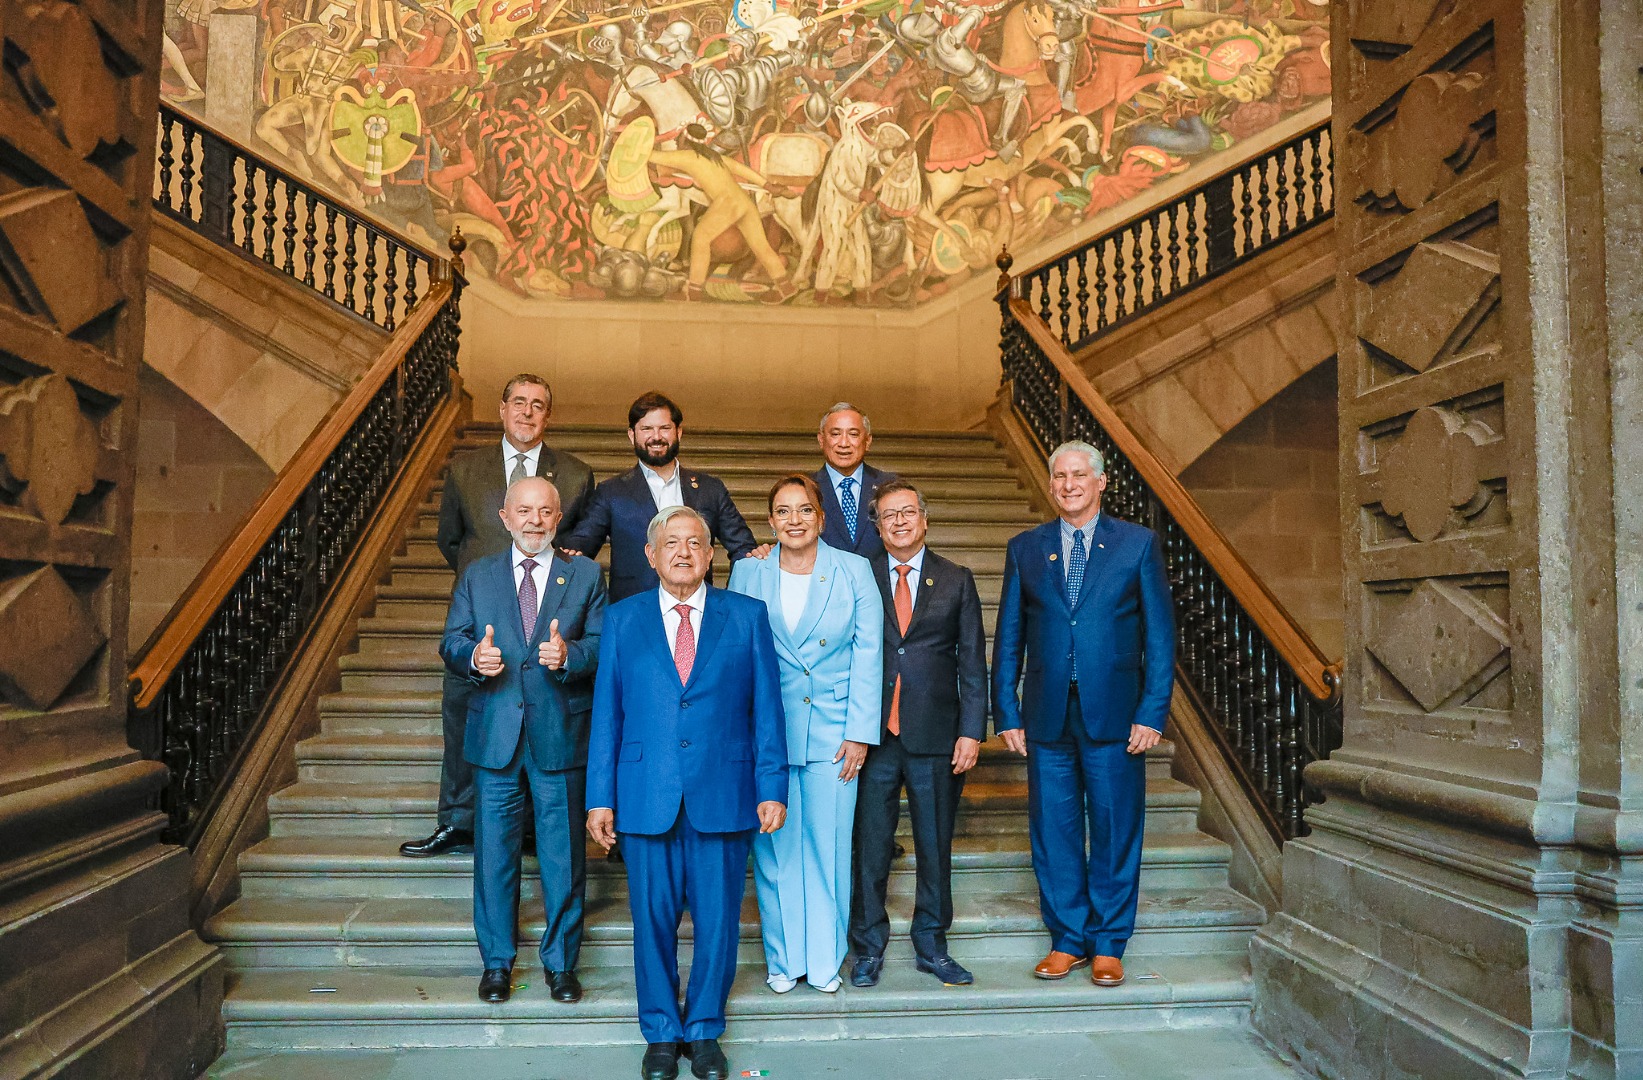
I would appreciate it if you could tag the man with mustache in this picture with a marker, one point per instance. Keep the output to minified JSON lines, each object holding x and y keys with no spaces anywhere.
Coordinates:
{"x":623,"y":507}
{"x":524,"y":630}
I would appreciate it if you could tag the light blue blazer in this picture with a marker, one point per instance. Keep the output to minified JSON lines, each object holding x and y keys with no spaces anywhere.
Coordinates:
{"x":832,"y":664}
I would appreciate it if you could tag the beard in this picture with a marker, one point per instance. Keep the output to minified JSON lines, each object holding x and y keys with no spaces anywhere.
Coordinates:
{"x":533,"y":545}
{"x":656,"y":459}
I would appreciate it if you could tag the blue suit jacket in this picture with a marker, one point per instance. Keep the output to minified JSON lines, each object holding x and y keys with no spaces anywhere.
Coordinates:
{"x":833,"y":663}
{"x":1123,"y":630}
{"x":550,"y":706}
{"x":713,"y":744}
{"x":868,"y":544}
{"x":621,"y":510}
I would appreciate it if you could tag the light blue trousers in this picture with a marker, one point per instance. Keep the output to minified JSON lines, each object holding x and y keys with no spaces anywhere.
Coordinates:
{"x":803,"y":876}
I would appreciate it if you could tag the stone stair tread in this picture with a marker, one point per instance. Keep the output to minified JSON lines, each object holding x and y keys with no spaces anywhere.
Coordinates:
{"x":362,"y":995}
{"x":383,"y":702}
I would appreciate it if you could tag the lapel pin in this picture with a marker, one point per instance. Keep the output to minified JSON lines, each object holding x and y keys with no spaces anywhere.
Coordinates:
{"x":929,"y":581}
{"x":559,"y":581}
{"x":1103,"y":547}
{"x":1053,"y":557}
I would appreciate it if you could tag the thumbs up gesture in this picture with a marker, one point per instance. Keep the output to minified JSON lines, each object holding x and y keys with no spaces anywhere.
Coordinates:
{"x":553,"y":652}
{"x":487,"y":659}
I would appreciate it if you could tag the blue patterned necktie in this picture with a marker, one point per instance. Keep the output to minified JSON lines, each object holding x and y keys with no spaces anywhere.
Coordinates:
{"x":847,"y":500}
{"x":1075,"y":583}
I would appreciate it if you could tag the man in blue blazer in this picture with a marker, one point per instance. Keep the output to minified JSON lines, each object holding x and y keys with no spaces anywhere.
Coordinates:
{"x":687,"y":760}
{"x":623,"y":506}
{"x":524,"y":629}
{"x":847,"y":482}
{"x":1085,"y":615}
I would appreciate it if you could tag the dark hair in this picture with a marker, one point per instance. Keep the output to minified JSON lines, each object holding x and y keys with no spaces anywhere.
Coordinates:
{"x":894,"y":487}
{"x":801,"y":480}
{"x":650,"y":403}
{"x":530,"y":380}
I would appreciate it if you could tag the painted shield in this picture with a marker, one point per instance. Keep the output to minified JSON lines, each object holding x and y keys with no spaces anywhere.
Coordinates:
{"x":627,"y":177}
{"x":359,"y":123}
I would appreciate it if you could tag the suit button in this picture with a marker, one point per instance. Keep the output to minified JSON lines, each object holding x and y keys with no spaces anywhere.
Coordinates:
{"x":901,"y":652}
{"x":1075,"y":622}
{"x":521,"y":704}
{"x":807,"y":701}
{"x":824,"y":641}
{"x":684,"y":704}
{"x":684,"y":742}
{"x":807,"y":671}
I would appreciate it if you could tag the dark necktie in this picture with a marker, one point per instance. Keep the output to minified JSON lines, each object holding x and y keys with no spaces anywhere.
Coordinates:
{"x":1075,"y":584}
{"x":527,"y":598}
{"x":847,"y":501}
{"x":518,"y":472}
{"x":904,"y":618}
{"x":684,"y":644}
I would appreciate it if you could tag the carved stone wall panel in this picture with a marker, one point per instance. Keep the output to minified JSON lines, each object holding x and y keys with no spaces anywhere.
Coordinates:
{"x":1438,"y":472}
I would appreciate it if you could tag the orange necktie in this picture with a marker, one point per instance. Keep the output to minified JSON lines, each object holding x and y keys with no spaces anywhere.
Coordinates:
{"x":904,"y":616}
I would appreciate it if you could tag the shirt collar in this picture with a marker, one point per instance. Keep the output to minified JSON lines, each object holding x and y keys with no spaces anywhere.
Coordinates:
{"x":509,"y":453}
{"x":651,"y":474}
{"x":543,"y":560}
{"x":916,"y":562}
{"x":835,"y":476}
{"x":697,"y":601}
{"x":1088,"y":530}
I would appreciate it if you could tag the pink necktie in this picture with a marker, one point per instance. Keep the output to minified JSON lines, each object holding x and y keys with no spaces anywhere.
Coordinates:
{"x":684,"y":644}
{"x":527,"y":598}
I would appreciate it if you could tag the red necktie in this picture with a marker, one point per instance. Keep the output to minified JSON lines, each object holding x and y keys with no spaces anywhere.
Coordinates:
{"x":904,"y":616}
{"x":684,"y":644}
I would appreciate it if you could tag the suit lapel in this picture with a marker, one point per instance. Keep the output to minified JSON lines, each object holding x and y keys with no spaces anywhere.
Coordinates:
{"x":935,"y":576}
{"x":546,"y":463}
{"x":767,"y":583}
{"x":690,"y":488}
{"x":1099,"y":556}
{"x":502,"y":577}
{"x":713,"y":623}
{"x":822,"y":576}
{"x":554,"y":587}
{"x":653,"y":631}
{"x":887,"y":594}
{"x":1049,"y":558}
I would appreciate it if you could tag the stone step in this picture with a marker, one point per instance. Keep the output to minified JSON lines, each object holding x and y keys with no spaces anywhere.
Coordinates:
{"x":432,"y":932}
{"x":757,"y":463}
{"x":424,"y":556}
{"x":751,"y":488}
{"x":339,"y":867}
{"x":279,"y":1009}
{"x":583,"y":439}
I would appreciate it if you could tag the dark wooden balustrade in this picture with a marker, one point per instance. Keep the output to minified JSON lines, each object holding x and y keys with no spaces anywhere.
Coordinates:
{"x":223,"y":190}
{"x":1272,"y":699}
{"x":1168,"y":249}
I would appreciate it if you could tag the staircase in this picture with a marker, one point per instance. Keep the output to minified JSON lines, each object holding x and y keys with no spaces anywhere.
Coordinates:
{"x":337,"y":941}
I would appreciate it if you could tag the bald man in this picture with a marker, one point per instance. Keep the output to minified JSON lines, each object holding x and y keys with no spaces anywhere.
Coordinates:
{"x":523,"y":630}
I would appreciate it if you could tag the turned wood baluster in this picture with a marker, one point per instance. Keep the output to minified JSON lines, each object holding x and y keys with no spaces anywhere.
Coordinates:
{"x":370,"y":283}
{"x":1286,"y":216}
{"x":309,"y":243}
{"x":1101,"y":285}
{"x":411,"y":264}
{"x":348,"y":264}
{"x":248,"y":207}
{"x":290,"y":230}
{"x":269,"y":217}
{"x":1156,"y":242}
{"x":1083,"y":295}
{"x":390,"y":285}
{"x":1264,"y":223}
{"x":1138,"y":270}
{"x":166,"y":160}
{"x":1064,"y":301}
{"x":187,"y":172}
{"x":1119,"y":277}
{"x":330,"y":251}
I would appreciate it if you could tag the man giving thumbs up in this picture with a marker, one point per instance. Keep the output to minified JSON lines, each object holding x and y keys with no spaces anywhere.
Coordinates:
{"x":524,"y":629}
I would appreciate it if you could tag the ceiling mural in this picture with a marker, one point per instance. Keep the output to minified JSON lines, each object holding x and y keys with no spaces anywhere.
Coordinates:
{"x":803,"y":152}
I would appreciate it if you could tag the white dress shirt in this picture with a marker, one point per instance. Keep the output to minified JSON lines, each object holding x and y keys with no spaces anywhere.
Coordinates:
{"x":510,"y":458}
{"x":664,"y":493}
{"x":917,"y":563}
{"x":1067,"y":531}
{"x":795,"y":595}
{"x":544,"y":563}
{"x":670,"y":617}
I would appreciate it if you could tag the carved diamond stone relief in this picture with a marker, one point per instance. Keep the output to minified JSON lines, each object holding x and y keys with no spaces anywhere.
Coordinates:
{"x":1385,"y":26}
{"x":48,"y":448}
{"x":46,"y":637}
{"x":1433,"y":470}
{"x":52,"y":257}
{"x":1426,"y":310}
{"x":56,"y":57}
{"x":1431,"y":139}
{"x":1439,"y":642}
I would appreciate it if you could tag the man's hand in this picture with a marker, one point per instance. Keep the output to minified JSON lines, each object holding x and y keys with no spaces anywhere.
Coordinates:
{"x":1143,"y":738}
{"x":772,"y":815}
{"x":553,"y":652}
{"x":761,"y":552}
{"x":1016,"y":740}
{"x":852,"y":754}
{"x":487,"y":657}
{"x":602,"y":827}
{"x":572,"y":552}
{"x":965,"y":753}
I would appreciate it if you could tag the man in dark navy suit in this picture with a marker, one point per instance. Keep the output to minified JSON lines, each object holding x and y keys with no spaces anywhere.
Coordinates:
{"x":523,"y":631}
{"x":847,"y":482}
{"x":1086,"y":630}
{"x":688,"y":757}
{"x":935,"y":716}
{"x":623,"y":506}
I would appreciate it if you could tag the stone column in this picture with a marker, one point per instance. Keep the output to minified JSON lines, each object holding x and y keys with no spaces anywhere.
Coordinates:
{"x":100,"y":973}
{"x":1470,"y":900}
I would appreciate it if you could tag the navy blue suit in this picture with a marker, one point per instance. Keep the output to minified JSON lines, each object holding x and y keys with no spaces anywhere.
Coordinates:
{"x":621,"y":510}
{"x":868,"y":544}
{"x":685,"y":767}
{"x":528,"y":726}
{"x":1078,"y":765}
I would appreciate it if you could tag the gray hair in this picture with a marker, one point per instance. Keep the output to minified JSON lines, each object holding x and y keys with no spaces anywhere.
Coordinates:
{"x":1075,"y":446}
{"x":659,"y":522}
{"x":844,"y":406}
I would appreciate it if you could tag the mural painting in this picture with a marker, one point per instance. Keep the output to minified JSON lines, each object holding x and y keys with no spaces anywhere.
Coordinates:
{"x":804,"y":152}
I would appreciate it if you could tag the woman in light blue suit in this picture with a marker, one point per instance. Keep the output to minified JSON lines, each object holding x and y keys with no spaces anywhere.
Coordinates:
{"x":828,"y":622}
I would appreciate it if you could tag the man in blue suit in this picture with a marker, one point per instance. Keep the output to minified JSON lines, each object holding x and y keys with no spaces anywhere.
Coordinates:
{"x":1085,"y":614}
{"x":847,"y":482}
{"x":524,"y":629}
{"x":623,"y":506}
{"x":687,"y":759}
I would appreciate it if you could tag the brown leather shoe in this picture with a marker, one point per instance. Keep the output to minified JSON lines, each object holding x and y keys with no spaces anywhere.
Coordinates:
{"x":1058,"y":965}
{"x":1107,"y":971}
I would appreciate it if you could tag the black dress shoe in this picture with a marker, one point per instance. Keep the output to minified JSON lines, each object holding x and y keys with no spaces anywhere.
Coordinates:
{"x":564,"y":986}
{"x":707,"y":1061}
{"x":495,"y":985}
{"x":661,"y":1061}
{"x":446,"y":840}
{"x":946,"y":969}
{"x":867,"y":970}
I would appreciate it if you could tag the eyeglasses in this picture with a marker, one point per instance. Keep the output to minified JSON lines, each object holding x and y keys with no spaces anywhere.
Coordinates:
{"x":897,"y":516}
{"x":784,"y":513}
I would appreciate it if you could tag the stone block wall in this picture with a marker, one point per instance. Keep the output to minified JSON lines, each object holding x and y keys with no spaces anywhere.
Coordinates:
{"x":196,"y":480}
{"x":1271,"y":484}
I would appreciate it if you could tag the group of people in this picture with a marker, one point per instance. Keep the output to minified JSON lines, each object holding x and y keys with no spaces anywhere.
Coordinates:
{"x":686,"y":726}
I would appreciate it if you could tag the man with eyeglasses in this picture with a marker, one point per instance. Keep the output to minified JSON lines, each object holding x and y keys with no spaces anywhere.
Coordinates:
{"x":470,"y":528}
{"x":934,"y":718}
{"x":847,"y":482}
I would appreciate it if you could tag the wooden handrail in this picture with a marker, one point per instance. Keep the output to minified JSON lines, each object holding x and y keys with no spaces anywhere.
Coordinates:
{"x":223,"y":571}
{"x":1317,"y":673}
